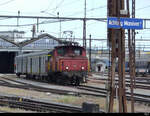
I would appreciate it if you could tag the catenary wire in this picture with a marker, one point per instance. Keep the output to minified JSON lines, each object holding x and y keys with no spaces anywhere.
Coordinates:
{"x":6,"y":2}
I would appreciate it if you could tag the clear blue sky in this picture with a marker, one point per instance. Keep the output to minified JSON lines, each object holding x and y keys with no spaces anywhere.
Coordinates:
{"x":67,"y":8}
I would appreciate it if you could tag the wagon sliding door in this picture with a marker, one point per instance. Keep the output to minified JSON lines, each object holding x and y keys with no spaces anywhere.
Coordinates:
{"x":29,"y":65}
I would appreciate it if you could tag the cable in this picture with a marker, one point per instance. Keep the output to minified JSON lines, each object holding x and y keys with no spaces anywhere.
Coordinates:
{"x":96,"y":8}
{"x":80,"y":26}
{"x":70,"y":3}
{"x":50,"y":4}
{"x":46,"y":10}
{"x":92,"y":9}
{"x":6,"y":2}
{"x":143,"y":8}
{"x":58,"y":5}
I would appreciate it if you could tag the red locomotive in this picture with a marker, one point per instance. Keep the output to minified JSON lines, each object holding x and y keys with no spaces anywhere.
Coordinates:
{"x":66,"y":64}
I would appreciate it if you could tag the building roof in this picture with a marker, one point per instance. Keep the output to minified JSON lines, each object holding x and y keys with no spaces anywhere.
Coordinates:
{"x":41,"y":37}
{"x":14,"y":31}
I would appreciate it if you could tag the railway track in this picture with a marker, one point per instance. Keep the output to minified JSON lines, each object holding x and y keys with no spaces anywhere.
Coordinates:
{"x":28,"y":86}
{"x":137,"y":97}
{"x":142,"y":80}
{"x":1,"y":111}
{"x":139,"y":84}
{"x":22,"y":102}
{"x":37,"y":105}
{"x":127,"y":74}
{"x":89,"y":90}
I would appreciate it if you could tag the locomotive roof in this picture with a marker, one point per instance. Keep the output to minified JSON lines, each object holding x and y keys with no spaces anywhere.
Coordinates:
{"x":75,"y":46}
{"x":46,"y":52}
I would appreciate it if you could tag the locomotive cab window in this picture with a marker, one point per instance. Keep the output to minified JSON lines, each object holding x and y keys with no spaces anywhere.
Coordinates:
{"x":78,"y":52}
{"x":61,"y":51}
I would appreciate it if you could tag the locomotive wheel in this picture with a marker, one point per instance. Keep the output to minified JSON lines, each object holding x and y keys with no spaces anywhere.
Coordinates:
{"x":27,"y":76}
{"x":58,"y":81}
{"x":75,"y":81}
{"x":18,"y":75}
{"x":62,"y":80}
{"x":84,"y":79}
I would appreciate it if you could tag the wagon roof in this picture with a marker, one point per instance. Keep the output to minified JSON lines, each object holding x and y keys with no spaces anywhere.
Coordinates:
{"x":34,"y":54}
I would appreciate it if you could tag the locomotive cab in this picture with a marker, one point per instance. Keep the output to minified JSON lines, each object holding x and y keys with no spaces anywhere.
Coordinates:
{"x":72,"y":62}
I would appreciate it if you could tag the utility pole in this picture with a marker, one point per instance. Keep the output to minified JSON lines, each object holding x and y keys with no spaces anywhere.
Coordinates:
{"x":18,"y":18}
{"x":33,"y":31}
{"x":59,"y":25}
{"x":37,"y":25}
{"x":84,"y":26}
{"x":133,"y":39}
{"x":116,"y":39}
{"x":111,"y":42}
{"x":90,"y":51}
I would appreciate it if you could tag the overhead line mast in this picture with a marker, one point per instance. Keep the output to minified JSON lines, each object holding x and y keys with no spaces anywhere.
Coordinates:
{"x":116,"y":42}
{"x":84,"y":26}
{"x":131,"y":46}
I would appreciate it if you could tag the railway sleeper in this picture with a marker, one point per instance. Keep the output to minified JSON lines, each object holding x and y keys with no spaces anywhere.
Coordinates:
{"x":27,"y":106}
{"x":37,"y":107}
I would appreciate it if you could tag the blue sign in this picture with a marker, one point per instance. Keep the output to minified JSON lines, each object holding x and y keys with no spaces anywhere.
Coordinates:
{"x":125,"y":23}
